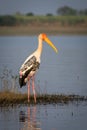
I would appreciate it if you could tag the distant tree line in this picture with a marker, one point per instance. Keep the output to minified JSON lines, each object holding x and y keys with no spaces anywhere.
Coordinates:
{"x":18,"y":18}
{"x":66,"y":10}
{"x":7,"y":20}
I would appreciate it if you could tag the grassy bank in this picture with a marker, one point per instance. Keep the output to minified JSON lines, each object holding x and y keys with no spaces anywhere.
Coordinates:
{"x":32,"y":25}
{"x":9,"y":98}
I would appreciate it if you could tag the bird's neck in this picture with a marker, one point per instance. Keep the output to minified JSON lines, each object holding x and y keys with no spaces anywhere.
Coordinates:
{"x":40,"y":46}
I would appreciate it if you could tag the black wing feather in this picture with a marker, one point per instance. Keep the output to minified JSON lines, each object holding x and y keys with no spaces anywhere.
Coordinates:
{"x":30,"y":65}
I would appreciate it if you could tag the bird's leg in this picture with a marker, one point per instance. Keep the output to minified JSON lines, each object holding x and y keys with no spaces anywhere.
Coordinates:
{"x":28,"y":90}
{"x":33,"y":87}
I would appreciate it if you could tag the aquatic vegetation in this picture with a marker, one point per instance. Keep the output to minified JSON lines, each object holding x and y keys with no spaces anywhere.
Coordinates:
{"x":10,"y":98}
{"x":9,"y":95}
{"x":8,"y":80}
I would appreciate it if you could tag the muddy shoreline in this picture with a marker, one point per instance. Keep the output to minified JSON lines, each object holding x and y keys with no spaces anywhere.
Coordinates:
{"x":11,"y":99}
{"x":51,"y":29}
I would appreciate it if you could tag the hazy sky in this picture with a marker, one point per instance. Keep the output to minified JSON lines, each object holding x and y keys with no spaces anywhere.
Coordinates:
{"x":38,"y":6}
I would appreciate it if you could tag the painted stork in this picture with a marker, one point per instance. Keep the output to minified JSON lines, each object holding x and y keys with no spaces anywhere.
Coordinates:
{"x":31,"y":65}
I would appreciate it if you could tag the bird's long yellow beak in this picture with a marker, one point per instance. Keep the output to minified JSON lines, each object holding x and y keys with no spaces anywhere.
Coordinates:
{"x":51,"y":44}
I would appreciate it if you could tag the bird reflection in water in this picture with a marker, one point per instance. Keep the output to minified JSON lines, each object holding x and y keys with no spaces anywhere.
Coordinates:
{"x":29,"y":119}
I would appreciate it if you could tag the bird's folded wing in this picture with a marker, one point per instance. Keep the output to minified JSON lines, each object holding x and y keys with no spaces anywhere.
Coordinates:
{"x":28,"y":64}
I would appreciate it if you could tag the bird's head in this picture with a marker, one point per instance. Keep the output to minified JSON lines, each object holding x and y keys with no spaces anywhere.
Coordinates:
{"x":44,"y":37}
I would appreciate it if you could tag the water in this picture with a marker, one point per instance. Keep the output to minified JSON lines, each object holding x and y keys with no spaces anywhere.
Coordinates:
{"x":65,"y":72}
{"x":44,"y":117}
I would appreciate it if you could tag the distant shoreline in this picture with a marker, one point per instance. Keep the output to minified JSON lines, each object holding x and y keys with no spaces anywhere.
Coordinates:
{"x":36,"y":29}
{"x":17,"y":25}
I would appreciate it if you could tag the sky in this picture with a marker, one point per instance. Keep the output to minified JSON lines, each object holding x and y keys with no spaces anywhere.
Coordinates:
{"x":38,"y":7}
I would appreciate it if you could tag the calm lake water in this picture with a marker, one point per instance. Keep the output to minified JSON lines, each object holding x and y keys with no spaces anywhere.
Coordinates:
{"x":44,"y":117}
{"x":65,"y":72}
